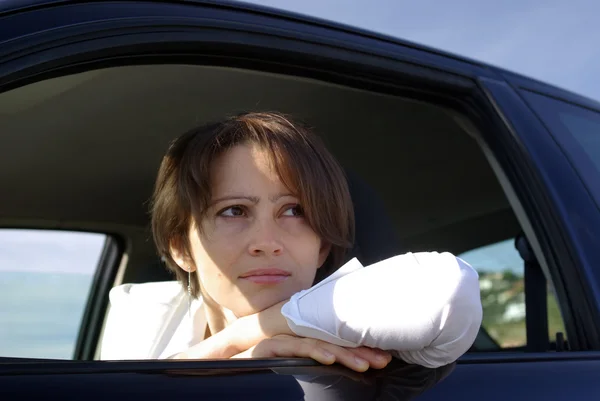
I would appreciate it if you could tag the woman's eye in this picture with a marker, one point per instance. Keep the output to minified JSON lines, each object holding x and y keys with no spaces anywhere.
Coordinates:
{"x":294,"y":211}
{"x":232,"y":211}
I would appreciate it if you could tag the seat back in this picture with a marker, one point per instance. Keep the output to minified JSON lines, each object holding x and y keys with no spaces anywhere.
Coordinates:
{"x":376,"y":238}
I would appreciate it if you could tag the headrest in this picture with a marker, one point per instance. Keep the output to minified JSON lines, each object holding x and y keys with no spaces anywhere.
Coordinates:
{"x":376,"y":238}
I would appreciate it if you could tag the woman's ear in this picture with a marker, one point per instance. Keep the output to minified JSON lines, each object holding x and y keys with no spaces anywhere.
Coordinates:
{"x":323,"y":253}
{"x":180,"y":255}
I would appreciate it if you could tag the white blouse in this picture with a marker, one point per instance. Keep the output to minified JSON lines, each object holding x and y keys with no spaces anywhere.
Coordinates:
{"x":423,"y":307}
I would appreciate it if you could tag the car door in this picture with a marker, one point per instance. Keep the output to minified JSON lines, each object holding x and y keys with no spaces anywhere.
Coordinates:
{"x":53,"y":39}
{"x":549,"y":161}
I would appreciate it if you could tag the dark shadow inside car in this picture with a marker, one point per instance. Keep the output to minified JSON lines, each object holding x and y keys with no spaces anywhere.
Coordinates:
{"x":93,"y":142}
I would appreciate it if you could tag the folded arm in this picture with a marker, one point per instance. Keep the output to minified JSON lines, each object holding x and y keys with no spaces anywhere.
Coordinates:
{"x":424,"y":307}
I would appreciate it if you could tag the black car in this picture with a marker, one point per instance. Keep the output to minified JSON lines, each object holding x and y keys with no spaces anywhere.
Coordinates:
{"x":446,"y":154}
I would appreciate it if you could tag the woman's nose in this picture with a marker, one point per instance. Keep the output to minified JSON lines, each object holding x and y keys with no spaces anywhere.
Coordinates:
{"x":265,"y":239}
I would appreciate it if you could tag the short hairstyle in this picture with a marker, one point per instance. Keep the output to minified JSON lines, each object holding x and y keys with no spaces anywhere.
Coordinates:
{"x":182,"y":192}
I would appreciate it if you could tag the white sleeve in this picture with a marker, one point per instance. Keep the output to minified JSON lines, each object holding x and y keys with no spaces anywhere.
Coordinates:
{"x":424,"y":307}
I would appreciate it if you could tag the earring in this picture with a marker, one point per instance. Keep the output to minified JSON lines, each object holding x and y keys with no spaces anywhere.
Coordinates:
{"x":189,"y":293}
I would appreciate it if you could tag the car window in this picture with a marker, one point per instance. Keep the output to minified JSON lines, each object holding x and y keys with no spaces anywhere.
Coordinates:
{"x":577,"y":130}
{"x":45,"y":279}
{"x":501,"y":280}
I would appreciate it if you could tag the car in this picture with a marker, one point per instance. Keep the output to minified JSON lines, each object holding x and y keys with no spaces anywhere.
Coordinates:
{"x":444,"y":153}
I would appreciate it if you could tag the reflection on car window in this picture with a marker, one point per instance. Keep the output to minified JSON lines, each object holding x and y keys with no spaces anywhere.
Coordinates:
{"x":577,"y":130}
{"x":587,"y":133}
{"x":501,"y":281}
{"x":45,"y":278}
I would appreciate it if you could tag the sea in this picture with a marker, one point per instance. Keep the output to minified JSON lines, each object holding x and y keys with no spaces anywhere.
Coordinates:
{"x":40,"y":313}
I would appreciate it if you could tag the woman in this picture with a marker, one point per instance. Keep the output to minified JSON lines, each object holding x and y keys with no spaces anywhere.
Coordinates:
{"x":254,"y":217}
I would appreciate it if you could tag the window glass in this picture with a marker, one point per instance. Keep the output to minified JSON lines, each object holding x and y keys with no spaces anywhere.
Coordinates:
{"x":45,"y":279}
{"x":577,"y":130}
{"x":501,"y":281}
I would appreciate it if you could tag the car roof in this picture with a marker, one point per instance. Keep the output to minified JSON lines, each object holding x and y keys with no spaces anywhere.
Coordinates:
{"x":12,"y":6}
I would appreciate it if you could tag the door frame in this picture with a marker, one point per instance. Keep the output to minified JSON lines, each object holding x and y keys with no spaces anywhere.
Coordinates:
{"x":64,"y":39}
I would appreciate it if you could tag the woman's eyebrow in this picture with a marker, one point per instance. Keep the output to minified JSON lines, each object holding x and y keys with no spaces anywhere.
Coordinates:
{"x":253,"y":199}
{"x":280,"y":195}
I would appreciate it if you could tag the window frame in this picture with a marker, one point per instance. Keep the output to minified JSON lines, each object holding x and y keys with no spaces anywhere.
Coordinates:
{"x":97,"y":303}
{"x":531,"y":170}
{"x":109,"y":38}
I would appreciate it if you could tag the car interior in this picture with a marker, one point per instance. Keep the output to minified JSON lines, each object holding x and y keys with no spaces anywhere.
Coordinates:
{"x":80,"y":152}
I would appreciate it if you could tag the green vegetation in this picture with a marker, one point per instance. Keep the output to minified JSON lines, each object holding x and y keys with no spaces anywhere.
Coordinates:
{"x":503,"y":299}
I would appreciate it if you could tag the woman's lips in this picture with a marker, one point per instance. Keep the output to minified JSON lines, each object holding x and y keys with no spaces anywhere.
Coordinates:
{"x":266,"y":276}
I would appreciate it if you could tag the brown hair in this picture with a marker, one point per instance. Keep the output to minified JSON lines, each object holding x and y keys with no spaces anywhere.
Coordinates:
{"x":182,"y":192}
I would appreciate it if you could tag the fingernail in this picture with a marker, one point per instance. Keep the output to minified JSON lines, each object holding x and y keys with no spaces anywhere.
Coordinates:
{"x":381,"y":357}
{"x":327,"y":354}
{"x":361,"y":362}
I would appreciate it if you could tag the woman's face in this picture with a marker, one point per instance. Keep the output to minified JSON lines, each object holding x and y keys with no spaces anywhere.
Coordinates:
{"x":255,"y":248}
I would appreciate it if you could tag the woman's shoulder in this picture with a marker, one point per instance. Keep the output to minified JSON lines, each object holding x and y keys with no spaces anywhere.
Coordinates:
{"x":149,"y":294}
{"x":143,"y":318}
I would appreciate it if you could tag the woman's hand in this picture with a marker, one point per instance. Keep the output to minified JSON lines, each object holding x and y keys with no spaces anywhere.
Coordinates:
{"x":266,"y":334}
{"x":358,"y":359}
{"x":241,"y":335}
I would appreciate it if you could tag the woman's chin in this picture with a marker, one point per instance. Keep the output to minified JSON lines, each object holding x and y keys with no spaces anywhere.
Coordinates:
{"x":258,"y":304}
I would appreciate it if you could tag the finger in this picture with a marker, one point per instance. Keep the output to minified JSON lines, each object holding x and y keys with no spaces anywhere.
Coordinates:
{"x":377,"y":358}
{"x":293,"y":347}
{"x":348,"y":357}
{"x":358,"y":359}
{"x":244,"y":355}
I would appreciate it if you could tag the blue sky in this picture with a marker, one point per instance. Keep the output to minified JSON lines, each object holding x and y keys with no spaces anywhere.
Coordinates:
{"x":49,"y":251}
{"x":554,"y":41}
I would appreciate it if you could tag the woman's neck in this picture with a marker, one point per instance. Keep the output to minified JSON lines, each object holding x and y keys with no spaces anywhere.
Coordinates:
{"x":217,"y":317}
